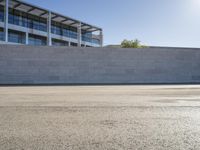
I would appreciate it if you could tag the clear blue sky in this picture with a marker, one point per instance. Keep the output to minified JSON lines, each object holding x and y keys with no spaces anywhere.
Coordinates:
{"x":154,"y":22}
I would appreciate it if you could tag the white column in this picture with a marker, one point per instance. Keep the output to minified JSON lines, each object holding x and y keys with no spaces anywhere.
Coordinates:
{"x":6,"y":10}
{"x":79,"y":34}
{"x":101,"y":38}
{"x":69,"y":43}
{"x":27,"y":37}
{"x":49,"y":40}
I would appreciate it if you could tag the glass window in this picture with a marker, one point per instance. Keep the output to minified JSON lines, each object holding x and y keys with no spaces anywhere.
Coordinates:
{"x":10,"y":19}
{"x":95,"y":41}
{"x":87,"y":36}
{"x":1,"y":16}
{"x":16,"y":20}
{"x":73,"y":35}
{"x":1,"y":34}
{"x":56,"y":42}
{"x":64,"y":30}
{"x":26,"y":20}
{"x":16,"y":37}
{"x":37,"y":40}
{"x":43,"y":27}
{"x":74,"y":44}
{"x":56,"y":28}
{"x":1,"y":13}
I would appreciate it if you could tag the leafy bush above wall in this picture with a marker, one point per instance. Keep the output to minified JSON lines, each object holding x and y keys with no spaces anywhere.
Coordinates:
{"x":132,"y":44}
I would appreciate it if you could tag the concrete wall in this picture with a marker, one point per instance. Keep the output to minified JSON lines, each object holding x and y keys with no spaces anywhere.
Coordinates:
{"x":64,"y":65}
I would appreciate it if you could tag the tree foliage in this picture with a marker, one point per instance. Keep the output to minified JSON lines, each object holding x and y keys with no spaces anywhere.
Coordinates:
{"x":131,"y":44}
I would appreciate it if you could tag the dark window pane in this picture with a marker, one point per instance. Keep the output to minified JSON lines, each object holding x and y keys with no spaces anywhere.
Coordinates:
{"x":1,"y":34}
{"x":59,"y":43}
{"x":16,"y":37}
{"x":37,"y":40}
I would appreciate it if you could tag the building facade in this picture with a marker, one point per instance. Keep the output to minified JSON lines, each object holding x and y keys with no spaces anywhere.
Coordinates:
{"x":24,"y":23}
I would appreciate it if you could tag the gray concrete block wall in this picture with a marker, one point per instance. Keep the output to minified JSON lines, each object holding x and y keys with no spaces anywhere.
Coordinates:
{"x":63,"y":65}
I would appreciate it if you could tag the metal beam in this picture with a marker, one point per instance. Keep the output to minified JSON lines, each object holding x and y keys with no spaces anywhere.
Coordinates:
{"x":93,"y":30}
{"x":83,"y":25}
{"x":17,"y":5}
{"x":31,"y":10}
{"x":54,"y":17}
{"x":64,"y":20}
{"x":49,"y":29}
{"x":79,"y":34}
{"x":88,"y":28}
{"x":27,"y":37}
{"x":43,"y":14}
{"x":6,"y":20}
{"x":72,"y":23}
{"x":101,"y":38}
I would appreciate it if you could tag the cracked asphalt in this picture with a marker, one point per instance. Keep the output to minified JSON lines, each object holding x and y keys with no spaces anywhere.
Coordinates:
{"x":100,"y":117}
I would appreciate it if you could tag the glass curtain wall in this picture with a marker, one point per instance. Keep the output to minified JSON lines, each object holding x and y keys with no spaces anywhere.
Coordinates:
{"x":26,"y":20}
{"x":87,"y":37}
{"x":56,"y":42}
{"x":1,"y":34}
{"x":37,"y":40}
{"x":16,"y":37}
{"x":1,"y":13}
{"x":64,"y":30}
{"x":19,"y":18}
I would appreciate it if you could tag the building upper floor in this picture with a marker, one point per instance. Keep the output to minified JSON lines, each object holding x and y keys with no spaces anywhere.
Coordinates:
{"x":51,"y":24}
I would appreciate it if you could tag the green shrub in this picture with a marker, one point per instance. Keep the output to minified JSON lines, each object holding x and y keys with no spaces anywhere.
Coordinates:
{"x":131,"y":44}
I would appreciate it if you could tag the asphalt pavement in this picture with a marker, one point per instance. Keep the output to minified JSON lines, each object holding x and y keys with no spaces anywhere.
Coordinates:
{"x":100,"y":117}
